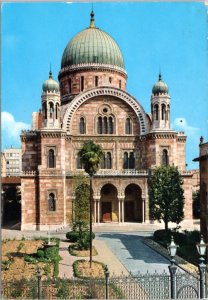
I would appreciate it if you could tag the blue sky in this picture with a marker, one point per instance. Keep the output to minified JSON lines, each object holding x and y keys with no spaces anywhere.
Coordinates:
{"x":168,"y":36}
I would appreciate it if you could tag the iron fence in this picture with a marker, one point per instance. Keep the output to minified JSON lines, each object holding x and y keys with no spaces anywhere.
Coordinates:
{"x":140,"y":286}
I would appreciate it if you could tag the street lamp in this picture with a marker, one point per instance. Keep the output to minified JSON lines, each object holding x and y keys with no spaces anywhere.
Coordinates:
{"x":201,"y":248}
{"x":172,"y":248}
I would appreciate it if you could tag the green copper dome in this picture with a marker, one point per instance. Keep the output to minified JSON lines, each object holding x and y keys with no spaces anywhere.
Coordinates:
{"x":160,"y":87}
{"x":50,"y":85}
{"x":92,"y":45}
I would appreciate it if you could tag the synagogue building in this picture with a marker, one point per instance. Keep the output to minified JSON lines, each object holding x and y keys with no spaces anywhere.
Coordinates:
{"x":90,"y":102}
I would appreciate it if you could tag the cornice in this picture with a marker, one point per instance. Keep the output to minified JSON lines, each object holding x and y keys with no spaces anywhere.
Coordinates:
{"x":91,"y":67}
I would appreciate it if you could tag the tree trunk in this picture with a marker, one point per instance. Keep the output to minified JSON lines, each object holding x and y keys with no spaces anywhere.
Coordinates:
{"x":91,"y":221}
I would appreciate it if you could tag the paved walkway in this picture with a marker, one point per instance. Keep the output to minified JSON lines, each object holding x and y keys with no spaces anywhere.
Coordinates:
{"x":133,"y":253}
{"x":104,"y":255}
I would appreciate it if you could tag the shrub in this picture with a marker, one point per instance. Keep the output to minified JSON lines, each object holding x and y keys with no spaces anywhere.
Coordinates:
{"x":40,"y":253}
{"x":72,"y":236}
{"x":30,"y":259}
{"x":52,"y":252}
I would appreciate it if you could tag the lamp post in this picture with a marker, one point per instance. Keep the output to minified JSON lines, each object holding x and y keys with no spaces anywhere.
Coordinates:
{"x":201,"y":247}
{"x":172,"y":248}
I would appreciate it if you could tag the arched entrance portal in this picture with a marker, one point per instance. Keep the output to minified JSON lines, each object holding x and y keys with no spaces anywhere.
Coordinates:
{"x":133,"y":204}
{"x":109,"y":203}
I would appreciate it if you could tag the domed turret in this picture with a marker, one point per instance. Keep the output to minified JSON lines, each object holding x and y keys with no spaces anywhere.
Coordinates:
{"x":50,"y":85}
{"x":160,"y":87}
{"x":160,"y":106}
{"x":50,"y":104}
{"x":92,"y":45}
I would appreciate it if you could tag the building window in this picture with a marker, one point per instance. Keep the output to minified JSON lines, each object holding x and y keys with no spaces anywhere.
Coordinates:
{"x":69,"y":86}
{"x":45,"y":110}
{"x":156,"y":112}
{"x":125,"y":163}
{"x":128,"y":126}
{"x":165,"y":158}
{"x":105,"y":125}
{"x":119,"y":84}
{"x":82,"y":126}
{"x":51,"y":109}
{"x":57,"y":109}
{"x":100,"y":125}
{"x":108,"y":164}
{"x":110,"y":79}
{"x":110,"y":125}
{"x":82,"y":83}
{"x":163,"y":111}
{"x":96,"y":80}
{"x":79,"y":164}
{"x":51,"y":202}
{"x":129,"y":160}
{"x":51,"y":158}
{"x":106,"y":161}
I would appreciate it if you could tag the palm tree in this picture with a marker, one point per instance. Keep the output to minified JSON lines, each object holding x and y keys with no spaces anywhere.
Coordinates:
{"x":90,"y":156}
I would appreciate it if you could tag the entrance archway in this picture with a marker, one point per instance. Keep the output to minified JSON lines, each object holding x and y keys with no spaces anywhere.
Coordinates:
{"x":109,"y":203}
{"x":133,"y":203}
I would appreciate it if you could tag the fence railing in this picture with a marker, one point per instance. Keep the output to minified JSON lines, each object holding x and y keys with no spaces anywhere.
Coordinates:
{"x":140,"y":286}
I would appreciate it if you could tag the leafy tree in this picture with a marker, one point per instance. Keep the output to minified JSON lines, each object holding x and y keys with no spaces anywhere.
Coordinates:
{"x":81,"y":203}
{"x":166,"y":195}
{"x":196,"y":204}
{"x":90,"y":156}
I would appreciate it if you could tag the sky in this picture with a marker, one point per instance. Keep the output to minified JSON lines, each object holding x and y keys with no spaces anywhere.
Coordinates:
{"x":153,"y":36}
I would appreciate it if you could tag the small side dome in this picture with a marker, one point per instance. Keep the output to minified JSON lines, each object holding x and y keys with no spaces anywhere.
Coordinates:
{"x":50,"y":85}
{"x":160,"y":87}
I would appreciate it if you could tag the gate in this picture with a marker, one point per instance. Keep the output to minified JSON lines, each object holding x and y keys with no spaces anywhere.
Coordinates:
{"x":187,"y":286}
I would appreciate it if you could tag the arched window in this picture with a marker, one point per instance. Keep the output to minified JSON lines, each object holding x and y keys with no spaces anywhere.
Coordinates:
{"x":105,"y":125}
{"x":163,"y":111}
{"x":108,"y":161}
{"x":51,"y":108}
{"x":119,"y":84}
{"x":79,"y":164}
{"x":69,"y":86}
{"x":156,"y":112}
{"x":96,"y":80}
{"x":51,"y":202}
{"x":110,"y":79}
{"x":82,"y":126}
{"x":126,"y":161}
{"x":131,"y":161}
{"x":82,"y":83}
{"x":100,"y":125}
{"x":51,"y":159}
{"x":111,"y":125}
{"x":165,"y":158}
{"x":57,"y":109}
{"x":128,"y":126}
{"x":102,"y":162}
{"x":45,"y":110}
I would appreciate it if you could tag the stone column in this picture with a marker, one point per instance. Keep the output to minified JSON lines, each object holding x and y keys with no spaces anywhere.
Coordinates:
{"x":95,"y":215}
{"x":122,"y":209}
{"x":119,"y":211}
{"x":98,"y":211}
{"x":143,"y":210}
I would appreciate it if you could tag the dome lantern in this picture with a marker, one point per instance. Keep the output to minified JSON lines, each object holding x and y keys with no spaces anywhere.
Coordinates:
{"x":50,"y":85}
{"x":160,"y":87}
